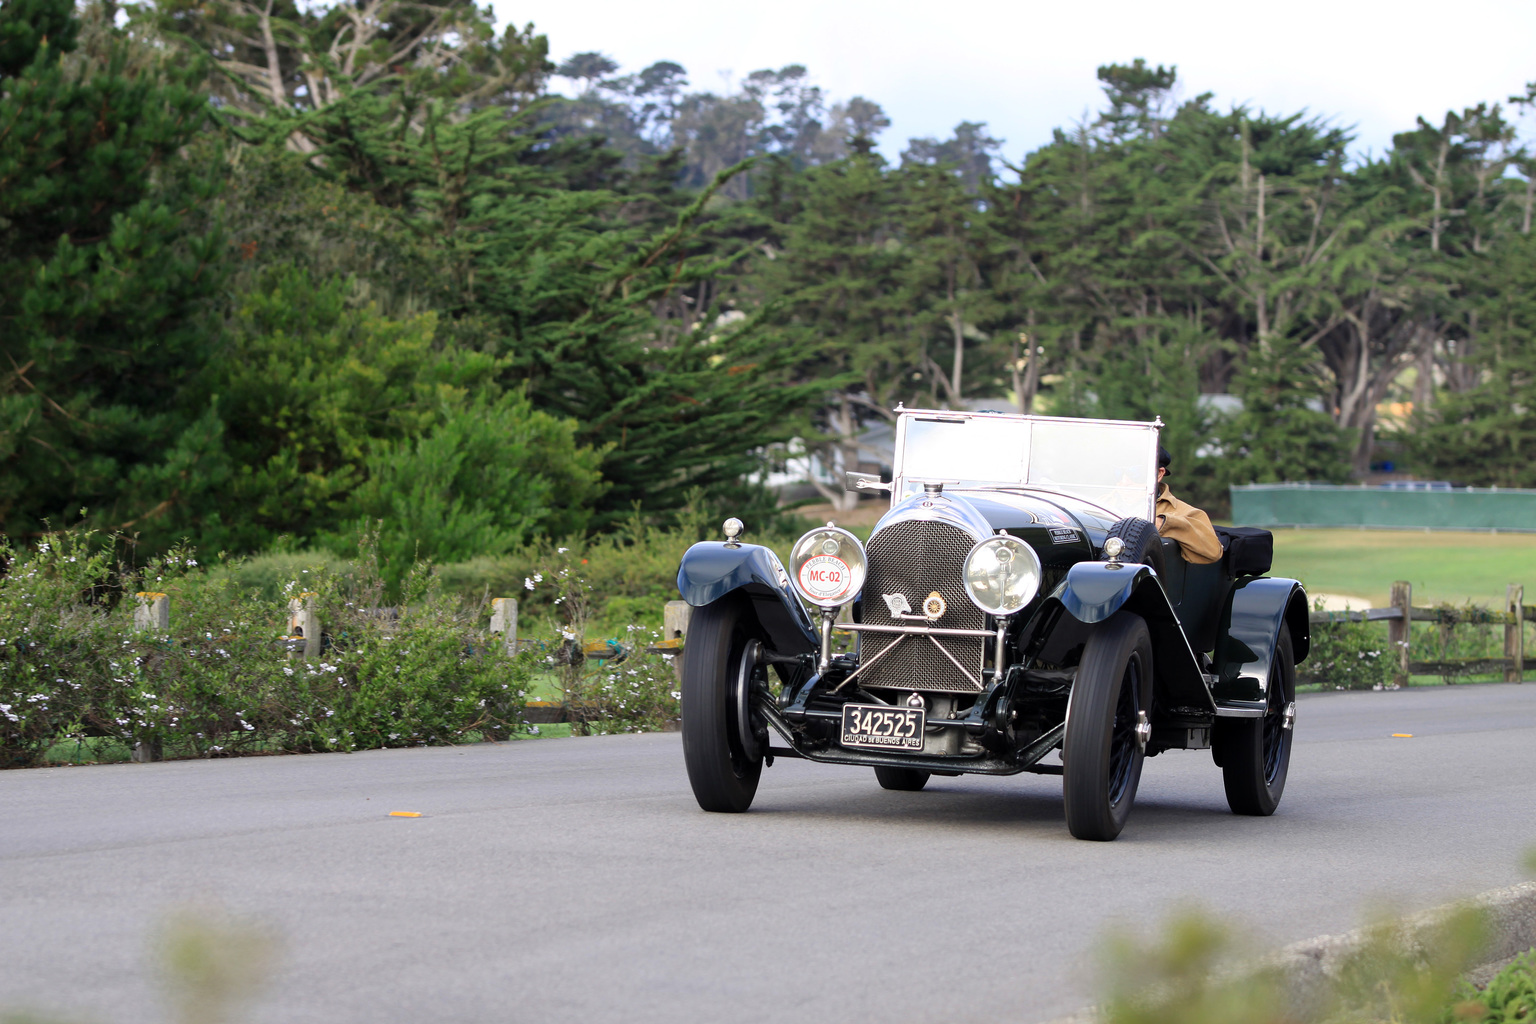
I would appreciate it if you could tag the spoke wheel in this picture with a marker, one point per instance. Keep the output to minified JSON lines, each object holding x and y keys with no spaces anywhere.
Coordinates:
{"x":724,"y":759}
{"x":1255,"y":753}
{"x":1102,"y":754}
{"x":908,"y":780}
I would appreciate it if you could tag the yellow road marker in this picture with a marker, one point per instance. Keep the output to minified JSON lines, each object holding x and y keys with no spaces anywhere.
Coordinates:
{"x":405,"y":814}
{"x":1402,"y":735}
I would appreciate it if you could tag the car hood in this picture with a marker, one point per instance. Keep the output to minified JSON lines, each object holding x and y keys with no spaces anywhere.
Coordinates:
{"x":1047,"y":521}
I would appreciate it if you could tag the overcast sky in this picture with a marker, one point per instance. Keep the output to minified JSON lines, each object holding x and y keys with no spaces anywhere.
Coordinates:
{"x":1025,"y":67}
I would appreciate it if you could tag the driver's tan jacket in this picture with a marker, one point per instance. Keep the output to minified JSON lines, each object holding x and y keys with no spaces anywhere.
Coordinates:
{"x":1191,"y":527}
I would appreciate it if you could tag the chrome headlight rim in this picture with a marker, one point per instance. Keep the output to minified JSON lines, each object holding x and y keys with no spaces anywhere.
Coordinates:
{"x":1019,"y":553}
{"x":828,"y":566}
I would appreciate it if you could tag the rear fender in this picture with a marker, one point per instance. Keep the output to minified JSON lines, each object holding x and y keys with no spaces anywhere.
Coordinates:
{"x":1250,"y":628}
{"x":711,"y":570}
{"x":1093,"y":591}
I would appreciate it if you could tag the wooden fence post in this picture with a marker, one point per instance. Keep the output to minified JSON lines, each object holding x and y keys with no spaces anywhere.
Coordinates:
{"x":675,"y":619}
{"x":305,"y":622}
{"x":1400,"y":630}
{"x":1514,"y":634}
{"x":674,"y":626}
{"x":151,"y":614}
{"x":504,"y":621}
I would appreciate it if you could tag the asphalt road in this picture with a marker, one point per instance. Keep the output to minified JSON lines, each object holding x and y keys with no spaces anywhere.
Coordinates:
{"x":576,"y":879}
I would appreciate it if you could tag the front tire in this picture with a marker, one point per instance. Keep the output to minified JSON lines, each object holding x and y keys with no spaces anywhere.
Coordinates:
{"x":1255,"y":753}
{"x":723,"y":775}
{"x":907,"y":780}
{"x":1102,"y":753}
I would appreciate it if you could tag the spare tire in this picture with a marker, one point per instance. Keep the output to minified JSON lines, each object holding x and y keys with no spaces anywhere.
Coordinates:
{"x":1142,"y":544}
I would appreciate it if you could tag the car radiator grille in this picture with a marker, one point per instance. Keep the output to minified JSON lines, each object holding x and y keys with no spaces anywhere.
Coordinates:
{"x":914,"y":559}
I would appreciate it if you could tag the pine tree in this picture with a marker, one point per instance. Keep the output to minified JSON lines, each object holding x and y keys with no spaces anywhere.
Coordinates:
{"x":109,"y":255}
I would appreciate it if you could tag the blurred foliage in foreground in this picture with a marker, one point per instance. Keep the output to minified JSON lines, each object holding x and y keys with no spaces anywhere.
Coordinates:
{"x":213,"y":967}
{"x":1193,"y":973}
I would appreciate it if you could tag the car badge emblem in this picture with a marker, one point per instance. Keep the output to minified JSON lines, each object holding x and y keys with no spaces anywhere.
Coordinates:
{"x":897,"y":603}
{"x":934,"y":607}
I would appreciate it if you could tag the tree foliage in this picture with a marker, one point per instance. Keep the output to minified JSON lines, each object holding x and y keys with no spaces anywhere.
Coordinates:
{"x":111,"y":255}
{"x":273,"y":270}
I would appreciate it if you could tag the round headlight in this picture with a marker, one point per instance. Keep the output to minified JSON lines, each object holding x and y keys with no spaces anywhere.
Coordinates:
{"x":1002,"y":575}
{"x":827,"y":567}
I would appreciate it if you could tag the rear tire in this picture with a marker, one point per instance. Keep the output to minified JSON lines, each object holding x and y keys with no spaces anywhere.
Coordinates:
{"x":1142,"y":543}
{"x":723,"y":775}
{"x":908,"y":780}
{"x":1255,"y":753}
{"x":1101,"y":756}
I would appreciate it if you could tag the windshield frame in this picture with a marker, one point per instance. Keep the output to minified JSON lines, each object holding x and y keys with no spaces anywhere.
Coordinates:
{"x":1136,"y":442}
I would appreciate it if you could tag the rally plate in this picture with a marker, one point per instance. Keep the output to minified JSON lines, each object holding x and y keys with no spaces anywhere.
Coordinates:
{"x":882,"y":727}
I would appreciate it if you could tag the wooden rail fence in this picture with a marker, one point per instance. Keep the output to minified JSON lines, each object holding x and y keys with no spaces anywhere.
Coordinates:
{"x":305,"y":633}
{"x":1401,"y":613}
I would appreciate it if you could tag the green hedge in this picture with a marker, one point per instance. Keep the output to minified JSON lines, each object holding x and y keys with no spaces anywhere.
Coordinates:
{"x":221,"y":681}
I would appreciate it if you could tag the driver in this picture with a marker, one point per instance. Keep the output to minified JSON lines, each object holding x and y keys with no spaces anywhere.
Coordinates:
{"x":1182,"y":522}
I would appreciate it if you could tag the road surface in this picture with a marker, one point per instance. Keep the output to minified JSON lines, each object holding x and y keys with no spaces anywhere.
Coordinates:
{"x":575,"y":879}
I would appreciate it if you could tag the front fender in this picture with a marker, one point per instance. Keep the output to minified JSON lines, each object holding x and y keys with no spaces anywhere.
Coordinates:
{"x":1093,"y":591}
{"x":711,"y":569}
{"x":1250,"y":627}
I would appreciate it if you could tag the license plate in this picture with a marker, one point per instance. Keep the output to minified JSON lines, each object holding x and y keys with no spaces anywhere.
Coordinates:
{"x":879,"y":727}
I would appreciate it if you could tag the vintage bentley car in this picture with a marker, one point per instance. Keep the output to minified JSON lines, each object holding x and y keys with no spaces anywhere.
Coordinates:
{"x":1015,"y":601}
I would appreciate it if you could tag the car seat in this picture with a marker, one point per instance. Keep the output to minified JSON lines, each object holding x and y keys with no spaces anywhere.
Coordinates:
{"x":1197,"y":592}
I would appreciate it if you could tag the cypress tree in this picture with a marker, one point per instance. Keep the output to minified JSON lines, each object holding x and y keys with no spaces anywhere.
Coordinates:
{"x":108,"y":256}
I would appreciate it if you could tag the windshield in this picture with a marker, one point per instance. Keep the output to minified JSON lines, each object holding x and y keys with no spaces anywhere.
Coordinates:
{"x":1112,"y":464}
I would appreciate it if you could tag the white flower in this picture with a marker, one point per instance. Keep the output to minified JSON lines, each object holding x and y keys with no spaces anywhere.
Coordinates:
{"x":562,"y":551}
{"x":568,"y":634}
{"x":528,"y":583}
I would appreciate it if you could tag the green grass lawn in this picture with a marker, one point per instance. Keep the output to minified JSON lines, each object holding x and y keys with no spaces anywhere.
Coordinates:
{"x":1442,"y":566}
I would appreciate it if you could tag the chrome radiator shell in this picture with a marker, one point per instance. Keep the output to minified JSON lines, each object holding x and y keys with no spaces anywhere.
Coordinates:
{"x":915,"y":555}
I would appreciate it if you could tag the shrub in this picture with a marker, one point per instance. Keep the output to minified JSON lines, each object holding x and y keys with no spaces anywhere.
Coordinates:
{"x":265,"y":575}
{"x":1348,"y":656}
{"x":629,"y":575}
{"x":1509,"y":998}
{"x":638,"y":694}
{"x":1463,"y":633}
{"x":221,"y":680}
{"x":1195,"y":973}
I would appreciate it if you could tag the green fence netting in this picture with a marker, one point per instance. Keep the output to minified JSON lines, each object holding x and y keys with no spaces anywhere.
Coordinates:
{"x":1461,"y":508}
